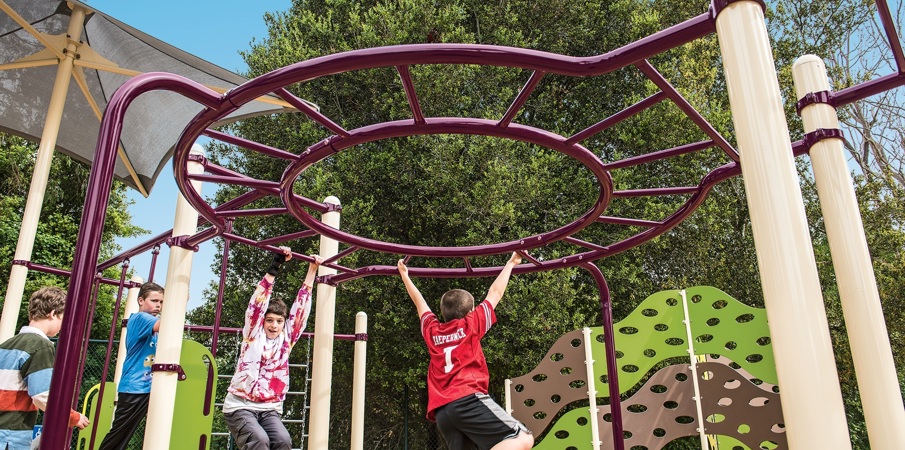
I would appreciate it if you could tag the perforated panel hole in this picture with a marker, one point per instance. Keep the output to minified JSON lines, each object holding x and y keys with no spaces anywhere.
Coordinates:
{"x":565,"y":371}
{"x":720,"y":304}
{"x":576,"y":384}
{"x":604,"y":379}
{"x":725,"y":401}
{"x":555,"y":398}
{"x":732,"y":384}
{"x":731,"y":345}
{"x":716,"y":418}
{"x":630,"y":368}
{"x":519,"y":387}
{"x":675,"y":341}
{"x":650,"y":353}
{"x":658,"y":389}
{"x":608,"y":417}
{"x":575,"y":342}
{"x":754,"y":358}
{"x":696,"y":299}
{"x":765,"y":340}
{"x":619,"y":354}
{"x":759,"y":401}
{"x":681,"y":376}
{"x":670,"y":404}
{"x":638,"y":447}
{"x":540,"y":415}
{"x":576,"y":448}
{"x":744,"y":318}
{"x":713,"y":322}
{"x":626,"y":434}
{"x":736,"y":447}
{"x":628,"y":330}
{"x":529,"y":402}
{"x":601,"y":338}
{"x":647,"y":312}
{"x":672,"y":302}
{"x":659,"y":432}
{"x":734,"y":365}
{"x":756,"y":381}
{"x":706,"y":375}
{"x":661,"y":327}
{"x":778,"y":428}
{"x":539,"y":377}
{"x":582,"y":421}
{"x":637,"y":408}
{"x":744,"y":429}
{"x":561,"y":434}
{"x":768,"y":445}
{"x":685,"y":419}
{"x":705,"y":338}
{"x":556,"y":357}
{"x":775,"y":389}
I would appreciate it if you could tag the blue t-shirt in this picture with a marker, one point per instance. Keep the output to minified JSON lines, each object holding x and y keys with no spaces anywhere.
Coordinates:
{"x":141,"y":344}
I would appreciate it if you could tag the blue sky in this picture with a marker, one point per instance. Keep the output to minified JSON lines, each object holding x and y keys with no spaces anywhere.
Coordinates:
{"x":212,"y":30}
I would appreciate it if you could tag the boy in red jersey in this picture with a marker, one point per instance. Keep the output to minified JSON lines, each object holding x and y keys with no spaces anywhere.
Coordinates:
{"x":457,"y":376}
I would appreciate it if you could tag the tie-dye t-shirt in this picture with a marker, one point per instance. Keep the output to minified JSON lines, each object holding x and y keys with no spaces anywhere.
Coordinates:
{"x":262,"y":372}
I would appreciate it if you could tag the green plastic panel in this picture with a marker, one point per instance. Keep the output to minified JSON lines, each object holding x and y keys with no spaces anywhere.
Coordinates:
{"x":194,"y":410}
{"x":101,"y":418}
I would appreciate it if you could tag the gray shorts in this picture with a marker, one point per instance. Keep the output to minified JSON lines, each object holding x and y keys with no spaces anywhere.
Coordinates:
{"x":476,"y":422}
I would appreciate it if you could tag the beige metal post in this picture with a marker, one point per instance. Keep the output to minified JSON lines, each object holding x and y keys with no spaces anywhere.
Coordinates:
{"x":812,"y":401}
{"x":592,"y":390}
{"x":18,"y":274}
{"x":129,"y":308}
{"x":358,"y":382}
{"x":693,"y":360}
{"x":868,"y":338}
{"x":322,"y":363}
{"x":172,"y":320}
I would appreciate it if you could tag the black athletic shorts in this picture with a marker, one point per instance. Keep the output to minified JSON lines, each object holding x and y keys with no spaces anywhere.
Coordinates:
{"x":476,"y":422}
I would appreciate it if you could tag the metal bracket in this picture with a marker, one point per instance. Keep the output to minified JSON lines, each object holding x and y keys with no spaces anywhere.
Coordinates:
{"x":169,"y":368}
{"x":719,"y":5}
{"x":820,"y":134}
{"x":361,"y":337}
{"x":181,"y":241}
{"x":811,"y":98}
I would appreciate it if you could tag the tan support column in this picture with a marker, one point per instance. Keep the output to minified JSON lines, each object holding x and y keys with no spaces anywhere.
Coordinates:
{"x":18,"y":274}
{"x":129,"y":308}
{"x":869,"y":340}
{"x":358,"y":382}
{"x":172,"y":320}
{"x":812,"y":401}
{"x":322,"y":363}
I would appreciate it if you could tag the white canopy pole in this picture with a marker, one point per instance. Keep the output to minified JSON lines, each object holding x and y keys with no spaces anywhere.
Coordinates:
{"x":159,"y":427}
{"x":16,"y":286}
{"x":358,"y":381}
{"x":868,"y":337}
{"x":811,"y":398}
{"x":322,"y":363}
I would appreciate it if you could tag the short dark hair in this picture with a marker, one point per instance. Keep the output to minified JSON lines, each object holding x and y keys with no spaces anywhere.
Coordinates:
{"x":149,"y":287}
{"x":456,"y":304}
{"x":277,"y":307}
{"x":45,"y":301}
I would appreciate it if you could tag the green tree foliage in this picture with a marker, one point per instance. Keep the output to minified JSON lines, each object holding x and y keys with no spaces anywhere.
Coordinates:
{"x":465,"y":190}
{"x":59,"y":223}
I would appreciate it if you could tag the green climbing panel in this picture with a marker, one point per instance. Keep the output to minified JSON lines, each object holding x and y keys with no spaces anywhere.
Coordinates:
{"x":194,"y":410}
{"x":101,"y":418}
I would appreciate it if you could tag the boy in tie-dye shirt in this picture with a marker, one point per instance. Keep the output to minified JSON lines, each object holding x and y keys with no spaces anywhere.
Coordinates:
{"x":253,"y":406}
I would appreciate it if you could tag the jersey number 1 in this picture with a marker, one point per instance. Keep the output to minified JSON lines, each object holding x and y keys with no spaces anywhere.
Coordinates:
{"x":448,"y":352}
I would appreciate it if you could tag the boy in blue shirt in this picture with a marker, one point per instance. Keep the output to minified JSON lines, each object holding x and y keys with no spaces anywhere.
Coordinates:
{"x":135,"y":385}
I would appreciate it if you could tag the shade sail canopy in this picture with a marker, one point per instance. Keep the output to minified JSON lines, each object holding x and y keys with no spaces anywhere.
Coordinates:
{"x":33,"y":39}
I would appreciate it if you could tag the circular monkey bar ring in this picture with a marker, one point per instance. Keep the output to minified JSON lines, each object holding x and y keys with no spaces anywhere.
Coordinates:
{"x":446,"y":125}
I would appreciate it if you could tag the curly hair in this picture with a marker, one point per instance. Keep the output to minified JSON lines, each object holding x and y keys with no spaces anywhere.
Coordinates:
{"x":46,"y":300}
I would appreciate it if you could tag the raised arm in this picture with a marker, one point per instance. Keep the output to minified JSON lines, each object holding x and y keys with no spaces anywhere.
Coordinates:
{"x":260,"y":299}
{"x":495,"y":293}
{"x":413,"y":291}
{"x":301,"y":307}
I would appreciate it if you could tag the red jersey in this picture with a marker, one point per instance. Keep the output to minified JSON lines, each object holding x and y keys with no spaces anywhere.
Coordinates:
{"x":457,"y":366}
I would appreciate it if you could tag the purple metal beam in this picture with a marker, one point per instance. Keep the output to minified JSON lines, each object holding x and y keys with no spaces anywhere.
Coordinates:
{"x":618,"y":117}
{"x":609,"y":342}
{"x":314,"y":114}
{"x":250,"y":145}
{"x":521,"y":98}
{"x":411,"y":95}
{"x":892,"y":37}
